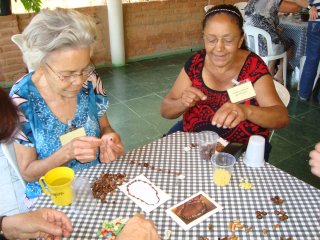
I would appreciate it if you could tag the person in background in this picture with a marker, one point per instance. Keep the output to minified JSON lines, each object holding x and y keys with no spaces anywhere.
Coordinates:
{"x":63,"y":94}
{"x":314,"y":162}
{"x":45,"y":222}
{"x":200,"y":91}
{"x":310,"y":67}
{"x":264,"y":14}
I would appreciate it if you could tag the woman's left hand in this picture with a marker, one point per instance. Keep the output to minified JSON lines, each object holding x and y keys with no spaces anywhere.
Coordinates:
{"x":229,"y":115}
{"x":111,"y":147}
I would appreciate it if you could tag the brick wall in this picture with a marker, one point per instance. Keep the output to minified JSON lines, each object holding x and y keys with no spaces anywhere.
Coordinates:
{"x":151,"y":29}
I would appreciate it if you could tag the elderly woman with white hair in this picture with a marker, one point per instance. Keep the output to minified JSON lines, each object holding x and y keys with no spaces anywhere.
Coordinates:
{"x":62,"y":103}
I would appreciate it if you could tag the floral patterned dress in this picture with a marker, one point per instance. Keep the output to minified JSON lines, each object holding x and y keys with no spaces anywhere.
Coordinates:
{"x":264,"y":14}
{"x":40,"y":129}
{"x":199,"y":117}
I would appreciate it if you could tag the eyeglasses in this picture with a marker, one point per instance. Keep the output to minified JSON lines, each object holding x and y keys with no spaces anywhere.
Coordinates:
{"x":70,"y":78}
{"x":227,"y":41}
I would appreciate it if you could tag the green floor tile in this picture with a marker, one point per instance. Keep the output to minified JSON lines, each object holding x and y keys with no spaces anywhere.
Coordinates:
{"x":298,"y":166}
{"x":118,"y":113}
{"x":145,"y":105}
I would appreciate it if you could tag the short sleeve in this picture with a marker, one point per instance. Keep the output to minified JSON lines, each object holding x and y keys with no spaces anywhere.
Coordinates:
{"x":101,"y":99}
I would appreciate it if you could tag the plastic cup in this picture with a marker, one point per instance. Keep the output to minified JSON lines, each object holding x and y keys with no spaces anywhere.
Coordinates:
{"x":222,"y":164}
{"x":57,"y":184}
{"x":254,"y":156}
{"x":207,"y":142}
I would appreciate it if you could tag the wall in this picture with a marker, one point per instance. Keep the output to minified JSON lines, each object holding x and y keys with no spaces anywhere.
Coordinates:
{"x":151,"y":29}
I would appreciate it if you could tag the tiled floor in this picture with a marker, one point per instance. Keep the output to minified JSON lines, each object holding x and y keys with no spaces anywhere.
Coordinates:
{"x":136,"y":91}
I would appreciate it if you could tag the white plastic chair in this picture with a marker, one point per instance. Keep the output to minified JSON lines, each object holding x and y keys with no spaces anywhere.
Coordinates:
{"x":17,"y":39}
{"x":10,"y":154}
{"x":206,"y":8}
{"x":284,"y":96}
{"x":302,"y":61}
{"x":241,"y":6}
{"x":252,"y":39}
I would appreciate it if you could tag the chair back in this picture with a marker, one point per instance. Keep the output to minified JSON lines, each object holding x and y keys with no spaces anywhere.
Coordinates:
{"x":18,"y":40}
{"x":241,"y":6}
{"x":10,"y":154}
{"x":207,"y":7}
{"x":284,"y":95}
{"x":252,"y":39}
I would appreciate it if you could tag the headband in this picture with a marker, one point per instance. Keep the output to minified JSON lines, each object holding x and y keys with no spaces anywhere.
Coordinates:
{"x":223,"y":10}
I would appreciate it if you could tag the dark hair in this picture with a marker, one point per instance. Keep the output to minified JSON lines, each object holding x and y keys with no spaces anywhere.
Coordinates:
{"x":9,"y":116}
{"x":229,"y":10}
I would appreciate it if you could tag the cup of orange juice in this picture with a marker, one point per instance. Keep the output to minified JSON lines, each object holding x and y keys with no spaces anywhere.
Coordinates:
{"x":222,"y":168}
{"x":57,"y":184}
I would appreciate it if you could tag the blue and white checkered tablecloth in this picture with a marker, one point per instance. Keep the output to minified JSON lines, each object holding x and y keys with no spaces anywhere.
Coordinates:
{"x":302,"y":201}
{"x":297,"y":31}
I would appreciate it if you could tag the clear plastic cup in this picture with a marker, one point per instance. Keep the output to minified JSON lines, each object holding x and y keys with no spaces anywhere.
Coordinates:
{"x":222,"y":164}
{"x":207,"y":142}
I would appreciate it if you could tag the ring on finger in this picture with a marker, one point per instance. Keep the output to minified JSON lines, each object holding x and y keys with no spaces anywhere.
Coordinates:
{"x":235,"y":111}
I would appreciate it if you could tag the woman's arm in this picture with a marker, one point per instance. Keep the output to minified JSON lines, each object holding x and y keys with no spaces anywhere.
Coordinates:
{"x":181,"y":97}
{"x":83,"y":149}
{"x":292,"y":6}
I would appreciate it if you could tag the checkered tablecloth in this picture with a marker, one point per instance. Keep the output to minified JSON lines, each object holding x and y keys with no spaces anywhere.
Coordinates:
{"x":297,"y":31}
{"x":302,"y":201}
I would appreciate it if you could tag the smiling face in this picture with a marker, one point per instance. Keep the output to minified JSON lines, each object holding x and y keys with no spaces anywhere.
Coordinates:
{"x":222,"y":38}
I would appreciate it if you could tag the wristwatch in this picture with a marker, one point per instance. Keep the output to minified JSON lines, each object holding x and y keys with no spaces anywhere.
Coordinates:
{"x":2,"y":237}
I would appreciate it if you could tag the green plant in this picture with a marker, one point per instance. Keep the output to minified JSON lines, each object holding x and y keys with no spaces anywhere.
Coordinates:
{"x":31,"y":5}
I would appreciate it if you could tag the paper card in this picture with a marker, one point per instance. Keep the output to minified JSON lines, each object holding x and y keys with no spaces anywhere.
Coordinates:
{"x":193,"y":210}
{"x":241,"y":92}
{"x":68,"y":137}
{"x":144,"y":193}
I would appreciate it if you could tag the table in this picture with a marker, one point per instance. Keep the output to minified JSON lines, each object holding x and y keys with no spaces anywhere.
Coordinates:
{"x":301,"y":200}
{"x":297,"y":31}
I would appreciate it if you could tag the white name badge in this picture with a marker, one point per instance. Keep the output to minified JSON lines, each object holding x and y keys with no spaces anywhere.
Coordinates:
{"x":241,"y":92}
{"x":68,"y":137}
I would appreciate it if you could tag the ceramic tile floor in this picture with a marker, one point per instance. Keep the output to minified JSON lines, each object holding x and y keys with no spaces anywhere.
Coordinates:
{"x":136,"y":91}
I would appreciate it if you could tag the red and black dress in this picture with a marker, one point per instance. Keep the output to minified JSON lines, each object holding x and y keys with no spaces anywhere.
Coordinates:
{"x":199,"y":117}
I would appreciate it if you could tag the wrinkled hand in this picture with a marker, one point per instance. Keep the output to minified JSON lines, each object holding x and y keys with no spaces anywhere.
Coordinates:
{"x":315,"y":160}
{"x":229,"y":115}
{"x":111,"y":147}
{"x":43,"y":223}
{"x":84,"y":149}
{"x":139,"y":228}
{"x":191,"y":96}
{"x":313,"y":13}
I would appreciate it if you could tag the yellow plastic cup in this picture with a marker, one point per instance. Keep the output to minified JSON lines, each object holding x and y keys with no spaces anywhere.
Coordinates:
{"x":57,"y":184}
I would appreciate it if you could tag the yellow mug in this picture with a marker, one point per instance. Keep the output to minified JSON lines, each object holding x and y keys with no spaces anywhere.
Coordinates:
{"x":57,"y":184}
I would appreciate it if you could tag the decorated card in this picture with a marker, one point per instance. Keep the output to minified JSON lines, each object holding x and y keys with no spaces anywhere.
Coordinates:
{"x":144,"y":193}
{"x":193,"y":210}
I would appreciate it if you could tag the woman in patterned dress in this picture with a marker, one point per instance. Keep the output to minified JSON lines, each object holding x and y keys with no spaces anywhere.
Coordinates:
{"x":64,"y":93}
{"x":200,"y":91}
{"x":264,"y":14}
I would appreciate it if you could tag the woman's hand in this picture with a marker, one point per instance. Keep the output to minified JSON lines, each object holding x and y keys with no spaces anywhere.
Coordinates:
{"x":84,"y":149}
{"x":313,"y":13}
{"x":111,"y":147}
{"x":43,"y":223}
{"x":139,"y":228}
{"x":191,"y":95}
{"x":229,"y":115}
{"x":315,"y":160}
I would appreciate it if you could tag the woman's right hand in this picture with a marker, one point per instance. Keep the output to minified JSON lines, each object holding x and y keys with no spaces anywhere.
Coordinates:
{"x":84,"y":149}
{"x":191,"y":95}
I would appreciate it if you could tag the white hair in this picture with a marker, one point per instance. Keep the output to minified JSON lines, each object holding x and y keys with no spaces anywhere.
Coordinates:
{"x":56,"y":29}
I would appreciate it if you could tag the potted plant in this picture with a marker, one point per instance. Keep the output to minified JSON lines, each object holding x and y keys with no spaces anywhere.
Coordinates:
{"x":29,"y":5}
{"x":304,"y":14}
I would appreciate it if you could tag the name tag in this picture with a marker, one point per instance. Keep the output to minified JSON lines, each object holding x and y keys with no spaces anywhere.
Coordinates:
{"x":68,"y":137}
{"x":241,"y":92}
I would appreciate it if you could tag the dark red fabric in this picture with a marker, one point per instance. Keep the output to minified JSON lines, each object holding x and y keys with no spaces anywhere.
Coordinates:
{"x":199,"y":117}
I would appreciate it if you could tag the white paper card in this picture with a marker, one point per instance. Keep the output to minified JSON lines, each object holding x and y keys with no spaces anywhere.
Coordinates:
{"x":241,"y":92}
{"x":144,"y":193}
{"x":193,"y":210}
